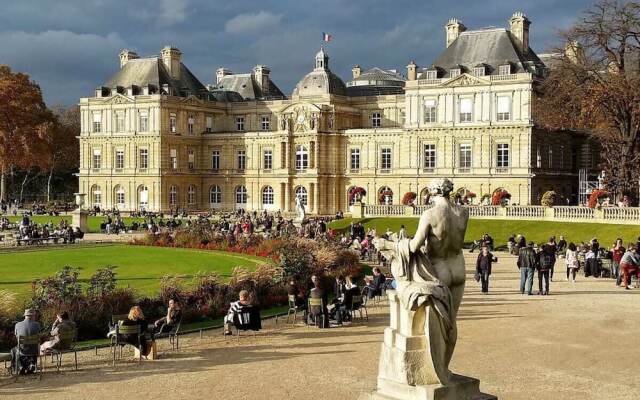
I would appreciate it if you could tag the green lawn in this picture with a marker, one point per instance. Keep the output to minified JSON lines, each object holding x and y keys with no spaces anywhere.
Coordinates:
{"x":500,"y":230}
{"x":139,"y":267}
{"x":93,"y":222}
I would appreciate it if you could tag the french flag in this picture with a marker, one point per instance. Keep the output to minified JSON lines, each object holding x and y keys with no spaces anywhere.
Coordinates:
{"x":326,"y":37}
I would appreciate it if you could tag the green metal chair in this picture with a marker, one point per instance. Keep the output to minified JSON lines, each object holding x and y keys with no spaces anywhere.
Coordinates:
{"x":33,"y":340}
{"x":315,"y":304}
{"x":126,"y":330}
{"x":358,"y":304}
{"x":292,"y":308}
{"x":67,"y":344}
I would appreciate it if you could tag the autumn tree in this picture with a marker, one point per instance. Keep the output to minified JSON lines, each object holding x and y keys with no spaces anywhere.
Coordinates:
{"x":595,"y":87}
{"x":25,"y":124}
{"x":63,"y":153}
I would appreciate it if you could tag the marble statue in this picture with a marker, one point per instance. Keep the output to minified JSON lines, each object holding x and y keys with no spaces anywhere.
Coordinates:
{"x":300,"y":208}
{"x":430,"y":273}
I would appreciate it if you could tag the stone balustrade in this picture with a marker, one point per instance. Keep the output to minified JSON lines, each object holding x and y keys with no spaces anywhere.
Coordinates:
{"x":626,"y":215}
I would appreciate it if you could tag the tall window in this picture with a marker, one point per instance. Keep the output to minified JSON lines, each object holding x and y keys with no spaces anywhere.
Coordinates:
{"x":242,"y":160}
{"x":503,"y":155}
{"x":144,"y":158}
{"x":354,"y":159}
{"x":429,"y":151}
{"x":430,"y":111}
{"x":215,"y":195}
{"x":208,"y":124}
{"x":453,"y":72}
{"x":550,"y":157}
{"x":504,"y":108}
{"x":466,"y":109}
{"x":97,"y":122}
{"x":173,"y":158}
{"x":505,"y":69}
{"x":191,"y":195}
{"x":96,"y":194}
{"x":192,"y":159}
{"x":215,"y":160}
{"x":385,"y":159}
{"x":119,"y":162}
{"x":479,"y":71}
{"x":119,"y":197}
{"x":241,"y":195}
{"x":191,"y":122}
{"x":173,"y":195}
{"x":267,"y":159}
{"x":464,"y":159}
{"x":266,"y":121}
{"x":376,"y":120}
{"x":538,"y":157}
{"x":239,"y":123}
{"x":173,"y":123}
{"x":97,"y":159}
{"x":302,"y":158}
{"x":301,"y":192}
{"x":120,"y":122}
{"x":144,"y":121}
{"x":561,"y":157}
{"x":267,"y":195}
{"x":143,"y":197}
{"x":432,"y":74}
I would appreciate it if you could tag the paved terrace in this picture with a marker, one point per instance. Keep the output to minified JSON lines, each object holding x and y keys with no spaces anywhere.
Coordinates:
{"x":578,"y":343}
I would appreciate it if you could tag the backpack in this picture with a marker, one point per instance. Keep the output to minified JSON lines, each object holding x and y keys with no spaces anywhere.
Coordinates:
{"x":28,"y":365}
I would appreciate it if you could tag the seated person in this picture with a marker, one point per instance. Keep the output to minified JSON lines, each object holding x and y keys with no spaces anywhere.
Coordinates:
{"x":237,"y":312}
{"x":167,"y":323}
{"x":27,"y":327}
{"x":60,"y":325}
{"x":341,"y":310}
{"x":377,"y":284}
{"x":136,"y":317}
{"x":293,"y":289}
{"x":339,"y":288}
{"x":317,"y":293}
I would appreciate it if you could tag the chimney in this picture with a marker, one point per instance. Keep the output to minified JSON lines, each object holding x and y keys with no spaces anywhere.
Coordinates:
{"x":126,"y":55}
{"x":222,"y":72}
{"x":453,"y":29}
{"x":356,"y":71}
{"x":171,"y":60}
{"x":261,"y":75}
{"x":412,"y":69}
{"x":519,"y":26}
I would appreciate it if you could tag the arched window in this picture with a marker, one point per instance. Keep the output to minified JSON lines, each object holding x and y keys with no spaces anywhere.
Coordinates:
{"x":425,"y":197}
{"x":241,"y":195}
{"x":96,"y":196}
{"x":350,"y":199}
{"x":173,"y":195}
{"x":215,"y":195}
{"x":385,"y":195}
{"x":191,"y":195}
{"x":119,"y":197}
{"x":302,"y":193}
{"x":267,"y":196}
{"x":143,"y":197}
{"x":302,"y":158}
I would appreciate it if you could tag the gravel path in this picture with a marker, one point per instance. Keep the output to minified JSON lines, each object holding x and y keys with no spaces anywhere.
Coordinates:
{"x":577,"y":343}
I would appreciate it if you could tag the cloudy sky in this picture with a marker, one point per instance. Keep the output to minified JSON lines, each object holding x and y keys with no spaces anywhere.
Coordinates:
{"x":71,"y":46}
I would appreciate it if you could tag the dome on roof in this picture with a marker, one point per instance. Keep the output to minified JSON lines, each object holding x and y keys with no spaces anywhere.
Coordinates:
{"x":321,"y":80}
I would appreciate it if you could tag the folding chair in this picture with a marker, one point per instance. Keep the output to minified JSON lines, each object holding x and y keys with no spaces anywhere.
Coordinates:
{"x":359,"y":303}
{"x":172,"y":334}
{"x":67,"y":344}
{"x":292,"y":308}
{"x":244,"y":321}
{"x":31,"y":341}
{"x":316,"y":304}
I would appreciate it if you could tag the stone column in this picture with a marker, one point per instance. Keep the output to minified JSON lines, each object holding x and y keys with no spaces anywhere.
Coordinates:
{"x":287,"y":197}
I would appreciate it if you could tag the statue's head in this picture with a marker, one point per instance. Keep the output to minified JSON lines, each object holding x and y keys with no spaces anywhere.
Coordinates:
{"x":440,"y":187}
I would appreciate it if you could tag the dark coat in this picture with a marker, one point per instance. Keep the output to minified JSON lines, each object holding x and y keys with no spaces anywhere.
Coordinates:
{"x":527,"y":258}
{"x":484,"y":263}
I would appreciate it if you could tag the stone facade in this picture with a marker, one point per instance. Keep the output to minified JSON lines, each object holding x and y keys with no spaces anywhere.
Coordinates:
{"x":153,"y":137}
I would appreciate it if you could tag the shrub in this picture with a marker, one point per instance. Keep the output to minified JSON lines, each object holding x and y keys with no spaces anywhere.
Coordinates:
{"x":596,"y":196}
{"x":500,"y":197}
{"x":409,"y":198}
{"x":356,"y":193}
{"x":103,"y":281}
{"x":549,"y":198}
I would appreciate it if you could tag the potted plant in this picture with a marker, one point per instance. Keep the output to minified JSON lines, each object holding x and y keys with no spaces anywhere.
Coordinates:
{"x":386,"y":197}
{"x":500,"y":197}
{"x":409,"y":198}
{"x":549,"y":198}
{"x":597,"y":197}
{"x":356,"y":194}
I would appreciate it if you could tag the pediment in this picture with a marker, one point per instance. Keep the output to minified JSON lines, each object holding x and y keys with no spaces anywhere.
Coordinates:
{"x":302,"y":105}
{"x":466,"y":80}
{"x":192,"y":100}
{"x":118,"y":99}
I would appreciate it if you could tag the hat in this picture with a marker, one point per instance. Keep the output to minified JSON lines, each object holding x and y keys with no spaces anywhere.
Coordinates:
{"x":29,"y":312}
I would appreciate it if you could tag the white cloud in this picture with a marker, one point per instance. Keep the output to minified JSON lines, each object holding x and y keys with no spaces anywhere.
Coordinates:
{"x":251,"y":23}
{"x":172,"y":12}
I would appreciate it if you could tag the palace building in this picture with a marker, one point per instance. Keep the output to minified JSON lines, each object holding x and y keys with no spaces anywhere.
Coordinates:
{"x":154,"y":137}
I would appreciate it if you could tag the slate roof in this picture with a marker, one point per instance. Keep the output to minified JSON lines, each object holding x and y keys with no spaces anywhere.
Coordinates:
{"x":493,"y":47}
{"x":152,"y":71}
{"x":376,"y":82}
{"x":318,"y":82}
{"x":379,"y":74}
{"x":247,"y":88}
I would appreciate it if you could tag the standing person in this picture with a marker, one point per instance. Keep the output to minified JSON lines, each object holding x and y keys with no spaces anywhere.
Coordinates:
{"x":571,"y":259}
{"x":527,"y":262}
{"x":628,"y":264}
{"x":617,"y":251}
{"x":562,"y":244}
{"x":483,"y":267}
{"x":403,"y":233}
{"x":551,"y":251}
{"x":545,"y":266}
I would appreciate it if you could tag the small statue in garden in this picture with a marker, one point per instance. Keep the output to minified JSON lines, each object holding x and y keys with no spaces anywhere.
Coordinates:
{"x":300,"y":208}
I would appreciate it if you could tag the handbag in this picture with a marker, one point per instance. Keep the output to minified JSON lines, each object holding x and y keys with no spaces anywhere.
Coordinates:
{"x":477,"y":277}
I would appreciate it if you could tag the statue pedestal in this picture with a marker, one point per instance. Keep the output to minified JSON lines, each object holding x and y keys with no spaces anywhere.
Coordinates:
{"x":79,"y":219}
{"x":413,"y":363}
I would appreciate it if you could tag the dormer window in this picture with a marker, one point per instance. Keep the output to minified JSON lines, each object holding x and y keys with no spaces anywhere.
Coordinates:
{"x":453,"y":72}
{"x":432,"y":74}
{"x":505,"y":69}
{"x":479,"y":70}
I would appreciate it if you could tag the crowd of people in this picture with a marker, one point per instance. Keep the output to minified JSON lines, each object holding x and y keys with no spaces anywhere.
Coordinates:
{"x":28,"y":232}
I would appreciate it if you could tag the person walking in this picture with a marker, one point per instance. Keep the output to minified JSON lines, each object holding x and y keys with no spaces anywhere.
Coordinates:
{"x":546,"y":260}
{"x":483,"y":267}
{"x":571,"y":259}
{"x":551,"y":251}
{"x":617,"y":251}
{"x":527,"y":262}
